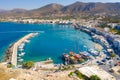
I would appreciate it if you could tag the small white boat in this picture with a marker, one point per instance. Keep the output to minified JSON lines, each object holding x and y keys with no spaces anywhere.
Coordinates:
{"x":20,"y":49}
{"x":20,"y":60}
{"x":93,"y":52}
{"x":22,"y":54}
{"x":21,"y":46}
{"x":27,"y":41}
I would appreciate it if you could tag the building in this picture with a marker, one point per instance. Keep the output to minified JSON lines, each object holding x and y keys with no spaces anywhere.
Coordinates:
{"x":95,"y":70}
{"x":116,"y":44}
{"x":117,"y":27}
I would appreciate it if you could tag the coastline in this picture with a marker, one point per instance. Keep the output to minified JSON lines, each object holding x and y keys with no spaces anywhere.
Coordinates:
{"x":11,"y":52}
{"x":15,"y":48}
{"x":38,"y":66}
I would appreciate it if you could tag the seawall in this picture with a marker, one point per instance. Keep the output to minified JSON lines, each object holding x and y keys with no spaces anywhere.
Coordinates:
{"x":11,"y":52}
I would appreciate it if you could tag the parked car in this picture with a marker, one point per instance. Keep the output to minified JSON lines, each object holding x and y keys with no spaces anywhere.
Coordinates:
{"x":101,"y":63}
{"x":108,"y":58}
{"x":104,"y":60}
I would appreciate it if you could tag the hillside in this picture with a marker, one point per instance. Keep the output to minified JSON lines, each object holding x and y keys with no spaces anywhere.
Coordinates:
{"x":72,"y":9}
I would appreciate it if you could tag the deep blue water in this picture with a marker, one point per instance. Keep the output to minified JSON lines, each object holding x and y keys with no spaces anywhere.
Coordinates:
{"x":56,"y":40}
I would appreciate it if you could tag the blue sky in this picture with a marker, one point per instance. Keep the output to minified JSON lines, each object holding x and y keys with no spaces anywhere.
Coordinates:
{"x":31,"y":4}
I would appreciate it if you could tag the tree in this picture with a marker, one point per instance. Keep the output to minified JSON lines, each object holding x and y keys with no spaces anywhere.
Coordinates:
{"x":80,"y":75}
{"x":70,"y":74}
{"x":112,"y":55}
{"x":94,"y":77}
{"x":28,"y":64}
{"x":10,"y":65}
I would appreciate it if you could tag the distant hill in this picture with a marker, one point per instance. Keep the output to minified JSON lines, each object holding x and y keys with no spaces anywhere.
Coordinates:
{"x":72,"y":9}
{"x":92,"y":8}
{"x":14,"y":13}
{"x":17,"y":11}
{"x":2,"y":11}
{"x":49,"y":9}
{"x":46,"y":10}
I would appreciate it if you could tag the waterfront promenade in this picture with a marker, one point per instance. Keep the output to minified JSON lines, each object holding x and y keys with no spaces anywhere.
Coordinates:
{"x":15,"y":47}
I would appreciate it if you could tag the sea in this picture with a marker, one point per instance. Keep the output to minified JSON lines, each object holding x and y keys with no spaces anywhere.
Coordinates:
{"x":52,"y":41}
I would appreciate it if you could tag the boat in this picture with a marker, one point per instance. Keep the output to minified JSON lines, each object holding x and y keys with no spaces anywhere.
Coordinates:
{"x":20,"y":60}
{"x":21,"y":46}
{"x":93,"y":52}
{"x":22,"y":54}
{"x":27,"y":41}
{"x":20,"y":49}
{"x":87,"y":54}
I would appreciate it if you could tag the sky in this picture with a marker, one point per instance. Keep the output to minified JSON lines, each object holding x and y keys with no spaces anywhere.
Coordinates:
{"x":32,"y":4}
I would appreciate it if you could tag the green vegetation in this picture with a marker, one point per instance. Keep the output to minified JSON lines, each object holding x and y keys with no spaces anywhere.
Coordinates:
{"x":115,"y":31}
{"x":94,"y":77}
{"x":112,"y":55}
{"x":71,"y":74}
{"x":10,"y":65}
{"x":81,"y":61}
{"x":80,"y":75}
{"x":111,"y":19}
{"x":67,"y":17}
{"x":103,"y":25}
{"x":67,"y":67}
{"x":83,"y":77}
{"x":28,"y":64}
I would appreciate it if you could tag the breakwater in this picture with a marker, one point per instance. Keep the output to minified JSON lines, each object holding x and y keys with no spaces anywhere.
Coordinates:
{"x":11,"y":52}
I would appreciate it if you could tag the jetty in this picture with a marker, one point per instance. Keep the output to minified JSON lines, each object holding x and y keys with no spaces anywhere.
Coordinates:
{"x":13,"y":49}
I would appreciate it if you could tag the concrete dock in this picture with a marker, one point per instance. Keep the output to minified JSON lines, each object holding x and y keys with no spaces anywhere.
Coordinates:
{"x":15,"y":47}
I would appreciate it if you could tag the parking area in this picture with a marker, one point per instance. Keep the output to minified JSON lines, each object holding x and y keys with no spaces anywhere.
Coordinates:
{"x":107,"y":63}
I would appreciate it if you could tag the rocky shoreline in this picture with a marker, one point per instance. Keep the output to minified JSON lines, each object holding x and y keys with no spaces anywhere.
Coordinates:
{"x":8,"y":54}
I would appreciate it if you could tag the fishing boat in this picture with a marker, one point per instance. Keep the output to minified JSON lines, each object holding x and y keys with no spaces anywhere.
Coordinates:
{"x":87,"y":55}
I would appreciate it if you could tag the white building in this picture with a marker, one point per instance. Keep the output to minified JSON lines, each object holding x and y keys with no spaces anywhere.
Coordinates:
{"x":95,"y":70}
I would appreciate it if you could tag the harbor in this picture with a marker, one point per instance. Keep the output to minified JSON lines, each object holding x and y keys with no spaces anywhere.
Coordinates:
{"x":92,"y":52}
{"x":11,"y":52}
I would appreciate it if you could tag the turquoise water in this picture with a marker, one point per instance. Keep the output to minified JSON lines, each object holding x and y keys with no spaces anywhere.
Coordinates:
{"x":56,"y":40}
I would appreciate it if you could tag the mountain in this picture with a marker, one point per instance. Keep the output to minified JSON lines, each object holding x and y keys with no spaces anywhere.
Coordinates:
{"x":47,"y":10}
{"x":17,"y":10}
{"x":50,"y":8}
{"x":2,"y":11}
{"x":93,"y":8}
{"x":13,"y":13}
{"x":72,"y":9}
